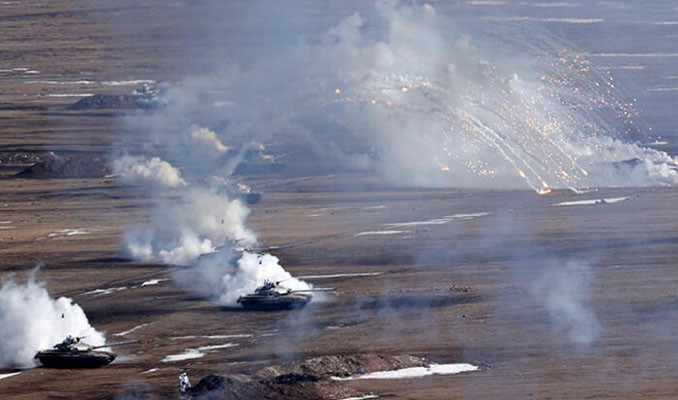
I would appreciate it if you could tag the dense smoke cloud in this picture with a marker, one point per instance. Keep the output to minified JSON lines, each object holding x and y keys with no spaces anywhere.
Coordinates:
{"x":407,"y":91}
{"x":139,"y":170}
{"x":404,"y":90}
{"x":198,"y":222}
{"x":31,"y":320}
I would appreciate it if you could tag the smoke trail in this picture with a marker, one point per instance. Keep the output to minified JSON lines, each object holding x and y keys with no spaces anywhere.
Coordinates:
{"x":565,"y":290}
{"x":31,"y":320}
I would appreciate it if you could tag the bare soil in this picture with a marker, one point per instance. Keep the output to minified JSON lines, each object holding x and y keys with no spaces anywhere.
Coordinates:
{"x":454,"y":292}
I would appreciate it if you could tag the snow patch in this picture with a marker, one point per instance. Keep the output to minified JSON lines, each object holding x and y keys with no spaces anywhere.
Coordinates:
{"x":131,"y":330}
{"x":3,"y":376}
{"x":217,"y":346}
{"x":379,"y":233}
{"x":237,"y":336}
{"x":129,"y":82}
{"x":562,"y":20}
{"x":150,"y":370}
{"x":152,"y":282}
{"x":70,"y":94}
{"x":102,"y":292}
{"x":414,"y":372}
{"x":339,"y":275}
{"x":610,"y":200}
{"x":188,"y":354}
{"x":438,"y":221}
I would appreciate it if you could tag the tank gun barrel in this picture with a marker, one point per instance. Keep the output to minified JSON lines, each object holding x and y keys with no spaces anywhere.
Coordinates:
{"x":329,"y":289}
{"x":115,"y":344}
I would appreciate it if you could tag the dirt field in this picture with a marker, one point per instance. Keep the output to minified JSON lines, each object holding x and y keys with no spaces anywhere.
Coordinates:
{"x":453,"y":271}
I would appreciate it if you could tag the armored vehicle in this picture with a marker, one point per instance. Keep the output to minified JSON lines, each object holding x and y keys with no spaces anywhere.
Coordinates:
{"x":73,"y":353}
{"x":271,"y":296}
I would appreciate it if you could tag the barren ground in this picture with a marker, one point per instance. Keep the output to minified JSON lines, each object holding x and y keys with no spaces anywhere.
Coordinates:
{"x":458,"y":291}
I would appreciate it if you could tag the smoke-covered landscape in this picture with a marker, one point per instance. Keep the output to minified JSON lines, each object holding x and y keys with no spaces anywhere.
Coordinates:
{"x":475,"y":198}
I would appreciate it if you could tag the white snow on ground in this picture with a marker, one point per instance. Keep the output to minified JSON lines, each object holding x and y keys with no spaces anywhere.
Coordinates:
{"x":70,"y":94}
{"x":129,"y":82}
{"x":536,"y":19}
{"x":380,"y":233}
{"x":227,"y":336}
{"x":101,"y":292}
{"x":131,"y":330}
{"x":150,"y":370}
{"x":623,"y":67}
{"x":5,"y":222}
{"x":486,"y":3}
{"x":369,"y":396}
{"x":81,"y":82}
{"x":438,"y":221}
{"x":188,"y":354}
{"x":635,"y":55}
{"x":212,"y":337}
{"x":3,"y":376}
{"x":339,"y":275}
{"x":663,"y":89}
{"x":549,"y":5}
{"x":73,"y":232}
{"x":374,"y":207}
{"x":65,"y":232}
{"x":152,"y":282}
{"x":414,"y":372}
{"x":610,"y":200}
{"x":217,"y":346}
{"x":7,"y":227}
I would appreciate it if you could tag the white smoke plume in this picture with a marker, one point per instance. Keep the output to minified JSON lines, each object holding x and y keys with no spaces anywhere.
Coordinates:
{"x":31,"y":320}
{"x":199,"y":222}
{"x":565,"y":292}
{"x":139,"y":170}
{"x":207,"y":140}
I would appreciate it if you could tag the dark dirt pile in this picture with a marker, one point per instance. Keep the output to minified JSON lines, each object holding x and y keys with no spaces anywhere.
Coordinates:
{"x":305,"y":379}
{"x":51,"y":165}
{"x":115,"y":101}
{"x":19,"y":158}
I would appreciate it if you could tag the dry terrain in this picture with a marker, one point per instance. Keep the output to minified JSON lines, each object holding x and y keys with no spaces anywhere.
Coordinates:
{"x":450,"y":289}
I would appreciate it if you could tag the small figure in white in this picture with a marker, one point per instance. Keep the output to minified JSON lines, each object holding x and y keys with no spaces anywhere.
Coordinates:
{"x":184,"y":383}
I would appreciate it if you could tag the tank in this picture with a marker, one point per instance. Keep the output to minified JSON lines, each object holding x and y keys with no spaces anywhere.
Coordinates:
{"x":73,"y":353}
{"x":271,"y":296}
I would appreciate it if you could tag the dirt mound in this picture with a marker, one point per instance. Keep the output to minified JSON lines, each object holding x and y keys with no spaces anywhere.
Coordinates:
{"x":21,"y":157}
{"x":114,"y":101}
{"x":310,"y":378}
{"x":52,"y":165}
